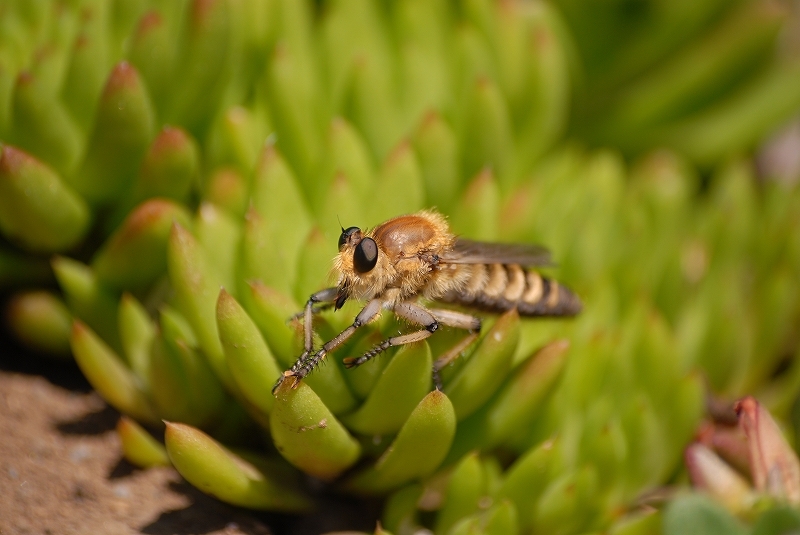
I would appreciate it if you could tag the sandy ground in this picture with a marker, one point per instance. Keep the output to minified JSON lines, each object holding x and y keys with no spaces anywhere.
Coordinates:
{"x":61,"y":471}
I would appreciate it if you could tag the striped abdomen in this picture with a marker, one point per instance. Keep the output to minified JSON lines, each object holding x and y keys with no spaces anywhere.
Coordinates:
{"x":501,"y":287}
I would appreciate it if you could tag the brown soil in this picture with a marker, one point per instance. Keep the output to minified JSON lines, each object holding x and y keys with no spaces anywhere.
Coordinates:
{"x":61,"y":470}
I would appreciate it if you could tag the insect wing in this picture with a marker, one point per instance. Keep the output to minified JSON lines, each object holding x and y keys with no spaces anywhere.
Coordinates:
{"x":476,"y":252}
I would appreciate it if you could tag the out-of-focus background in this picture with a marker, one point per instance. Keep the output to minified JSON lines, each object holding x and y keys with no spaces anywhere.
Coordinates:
{"x":152,"y":153}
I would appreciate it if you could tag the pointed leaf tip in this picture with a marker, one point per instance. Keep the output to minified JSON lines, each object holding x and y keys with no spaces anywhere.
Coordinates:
{"x":38,"y":211}
{"x":775,"y":466}
{"x":108,"y":375}
{"x":246,"y":353}
{"x":420,"y":446}
{"x":41,"y":321}
{"x":138,"y":446}
{"x":711,"y":474}
{"x":214,"y":469}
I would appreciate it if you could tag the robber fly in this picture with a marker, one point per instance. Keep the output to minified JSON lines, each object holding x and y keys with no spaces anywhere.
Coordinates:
{"x":411,"y":256}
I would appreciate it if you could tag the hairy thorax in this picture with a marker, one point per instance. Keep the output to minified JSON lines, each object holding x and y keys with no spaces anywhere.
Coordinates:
{"x":408,"y":265}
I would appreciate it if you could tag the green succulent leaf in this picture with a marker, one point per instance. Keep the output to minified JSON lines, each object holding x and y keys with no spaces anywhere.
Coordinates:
{"x":251,"y":363}
{"x":203,"y":394}
{"x":638,"y":523}
{"x":399,"y":188}
{"x":196,"y":286}
{"x":308,"y":435}
{"x":235,"y":139}
{"x":42,"y":126}
{"x":136,"y":254}
{"x":276,"y":225}
{"x":41,"y":321}
{"x":170,"y":166}
{"x":123,"y":129}
{"x":264,"y":257}
{"x":169,"y":386}
{"x":464,"y":491}
{"x":88,"y":298}
{"x":380,"y":531}
{"x":437,"y":152}
{"x":226,"y":188}
{"x":487,"y":131}
{"x":499,"y":519}
{"x":293,"y":100}
{"x":257,"y":483}
{"x":776,"y":521}
{"x":369,"y":102}
{"x":348,"y":155}
{"x":698,"y":514}
{"x":108,"y":375}
{"x":487,"y":367}
{"x":138,"y":446}
{"x":403,"y":384}
{"x":203,"y":64}
{"x":419,"y":448}
{"x":313,"y":263}
{"x":400,"y":512}
{"x":181,"y":379}
{"x":87,"y":71}
{"x":518,"y":402}
{"x":268,"y":126}
{"x":271,"y":310}
{"x":153,"y":54}
{"x":38,"y":210}
{"x":137,"y":332}
{"x":477,"y":213}
{"x":362,"y":379}
{"x":219,"y":235}
{"x":527,"y":479}
{"x":568,"y":502}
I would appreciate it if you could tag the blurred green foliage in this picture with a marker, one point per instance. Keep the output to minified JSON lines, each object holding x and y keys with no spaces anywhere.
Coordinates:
{"x":166,"y":150}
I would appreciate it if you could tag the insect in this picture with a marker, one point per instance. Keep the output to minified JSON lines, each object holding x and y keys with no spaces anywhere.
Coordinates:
{"x":416,"y":256}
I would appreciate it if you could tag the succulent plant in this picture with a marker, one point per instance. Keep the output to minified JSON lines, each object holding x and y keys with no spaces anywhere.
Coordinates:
{"x":186,"y":164}
{"x":755,"y":450}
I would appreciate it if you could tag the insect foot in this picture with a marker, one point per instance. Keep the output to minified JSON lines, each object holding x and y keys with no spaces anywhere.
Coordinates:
{"x":288,"y":374}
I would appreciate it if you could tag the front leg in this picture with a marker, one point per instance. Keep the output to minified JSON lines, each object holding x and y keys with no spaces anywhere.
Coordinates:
{"x":316,"y":302}
{"x":322,"y":297}
{"x":308,"y":362}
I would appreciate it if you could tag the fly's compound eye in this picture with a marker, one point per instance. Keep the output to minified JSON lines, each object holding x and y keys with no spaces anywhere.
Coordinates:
{"x":346,"y":233}
{"x":365,"y":256}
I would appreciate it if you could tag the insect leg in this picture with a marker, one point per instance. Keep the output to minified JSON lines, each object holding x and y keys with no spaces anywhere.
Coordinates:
{"x":316,"y":309}
{"x":328,"y":295}
{"x":321,"y":298}
{"x":451,"y":354}
{"x":417,"y":314}
{"x":409,"y":338}
{"x":453,"y":318}
{"x":411,"y":312}
{"x":304,"y":366}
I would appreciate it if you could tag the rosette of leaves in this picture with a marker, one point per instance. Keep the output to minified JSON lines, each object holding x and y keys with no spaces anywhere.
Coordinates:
{"x":165,"y":152}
